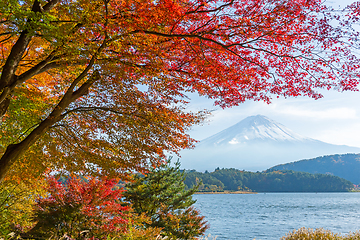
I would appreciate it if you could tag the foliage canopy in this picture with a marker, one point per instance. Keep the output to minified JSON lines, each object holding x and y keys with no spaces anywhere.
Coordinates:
{"x":99,"y":86}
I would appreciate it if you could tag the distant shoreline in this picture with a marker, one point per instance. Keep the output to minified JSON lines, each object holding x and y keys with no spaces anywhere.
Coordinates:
{"x":227,"y":192}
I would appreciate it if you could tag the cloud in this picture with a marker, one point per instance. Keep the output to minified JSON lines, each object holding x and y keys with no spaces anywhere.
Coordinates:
{"x":316,"y":114}
{"x":341,"y":134}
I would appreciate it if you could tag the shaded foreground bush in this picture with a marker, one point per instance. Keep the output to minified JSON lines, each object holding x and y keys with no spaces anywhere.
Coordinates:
{"x":319,"y":234}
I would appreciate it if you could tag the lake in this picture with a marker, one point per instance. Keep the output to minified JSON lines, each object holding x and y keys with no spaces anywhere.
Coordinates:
{"x":273,"y":215}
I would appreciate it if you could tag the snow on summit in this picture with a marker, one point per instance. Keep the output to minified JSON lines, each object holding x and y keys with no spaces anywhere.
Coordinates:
{"x":253,"y":128}
{"x":256,"y":143}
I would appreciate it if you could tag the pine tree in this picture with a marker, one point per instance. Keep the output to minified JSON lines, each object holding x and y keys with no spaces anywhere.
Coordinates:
{"x":161,"y":195}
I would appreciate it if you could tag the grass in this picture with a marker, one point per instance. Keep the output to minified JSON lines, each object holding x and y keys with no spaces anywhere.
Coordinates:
{"x":319,"y":234}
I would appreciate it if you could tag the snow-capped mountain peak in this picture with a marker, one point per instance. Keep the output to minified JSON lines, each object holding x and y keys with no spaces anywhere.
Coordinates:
{"x":256,"y":143}
{"x":253,"y":128}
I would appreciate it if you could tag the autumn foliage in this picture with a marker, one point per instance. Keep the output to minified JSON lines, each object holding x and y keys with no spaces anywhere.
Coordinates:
{"x":319,"y":233}
{"x":100,"y":86}
{"x":79,"y":205}
{"x":17,"y":201}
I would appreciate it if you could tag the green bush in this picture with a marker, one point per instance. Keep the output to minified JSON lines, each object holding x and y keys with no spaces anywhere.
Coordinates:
{"x":161,"y":195}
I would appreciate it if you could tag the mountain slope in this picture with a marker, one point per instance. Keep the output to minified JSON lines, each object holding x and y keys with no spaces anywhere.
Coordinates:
{"x":346,"y":166}
{"x":256,"y":143}
{"x":253,"y":128}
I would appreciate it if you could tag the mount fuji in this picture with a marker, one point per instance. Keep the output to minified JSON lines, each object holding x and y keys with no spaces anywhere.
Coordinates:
{"x":256,"y":143}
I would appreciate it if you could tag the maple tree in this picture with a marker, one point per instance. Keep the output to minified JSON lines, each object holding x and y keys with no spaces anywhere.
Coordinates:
{"x":99,"y":86}
{"x":80,"y":204}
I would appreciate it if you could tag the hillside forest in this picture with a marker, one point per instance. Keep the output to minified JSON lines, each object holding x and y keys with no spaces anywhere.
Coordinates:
{"x":346,"y":166}
{"x":267,"y":181}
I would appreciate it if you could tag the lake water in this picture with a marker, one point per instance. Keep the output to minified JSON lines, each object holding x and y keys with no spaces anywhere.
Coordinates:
{"x":273,"y":215}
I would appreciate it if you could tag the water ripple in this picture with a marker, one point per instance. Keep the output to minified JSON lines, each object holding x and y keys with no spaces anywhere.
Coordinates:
{"x":272,"y":215}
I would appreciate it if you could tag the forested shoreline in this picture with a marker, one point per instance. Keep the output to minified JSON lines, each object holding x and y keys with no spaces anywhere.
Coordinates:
{"x":267,"y":181}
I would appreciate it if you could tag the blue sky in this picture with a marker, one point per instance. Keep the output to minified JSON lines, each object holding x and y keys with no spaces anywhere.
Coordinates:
{"x":334,"y":119}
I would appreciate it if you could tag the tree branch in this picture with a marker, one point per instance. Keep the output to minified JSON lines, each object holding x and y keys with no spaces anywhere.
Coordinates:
{"x":33,"y":71}
{"x":8,"y":76}
{"x":211,"y":10}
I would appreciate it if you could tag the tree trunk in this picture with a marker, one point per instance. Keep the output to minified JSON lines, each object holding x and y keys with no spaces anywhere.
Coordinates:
{"x":8,"y":76}
{"x":15,"y":151}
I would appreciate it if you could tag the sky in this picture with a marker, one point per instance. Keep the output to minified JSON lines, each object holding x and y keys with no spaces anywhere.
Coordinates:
{"x":335,"y":118}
